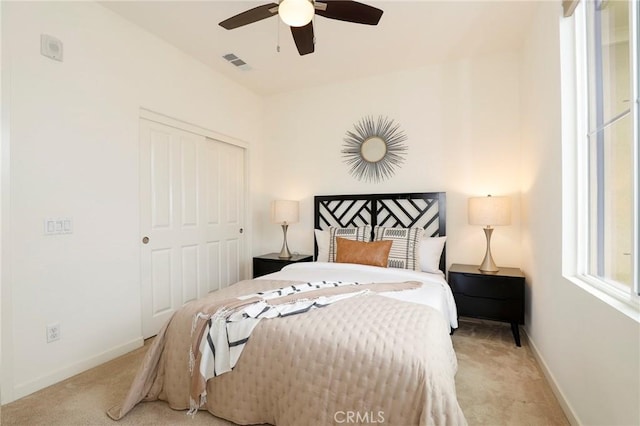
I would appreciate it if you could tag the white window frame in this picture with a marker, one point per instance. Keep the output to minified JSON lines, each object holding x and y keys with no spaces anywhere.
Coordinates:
{"x":575,"y":156}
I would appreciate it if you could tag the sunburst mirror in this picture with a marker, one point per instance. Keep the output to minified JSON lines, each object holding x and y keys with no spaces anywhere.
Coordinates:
{"x":375,"y":149}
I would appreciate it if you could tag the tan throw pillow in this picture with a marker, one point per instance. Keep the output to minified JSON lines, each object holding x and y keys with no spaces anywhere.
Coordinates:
{"x":374,"y":253}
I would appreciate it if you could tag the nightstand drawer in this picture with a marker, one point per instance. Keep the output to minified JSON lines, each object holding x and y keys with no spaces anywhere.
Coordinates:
{"x":488,"y":286}
{"x":493,"y":309}
{"x":264,"y":267}
{"x":269,"y":263}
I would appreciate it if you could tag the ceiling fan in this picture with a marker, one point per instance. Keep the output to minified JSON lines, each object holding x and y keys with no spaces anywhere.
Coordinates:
{"x":298,"y":14}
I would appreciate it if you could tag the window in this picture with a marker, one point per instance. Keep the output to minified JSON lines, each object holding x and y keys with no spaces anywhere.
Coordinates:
{"x":606,"y":147}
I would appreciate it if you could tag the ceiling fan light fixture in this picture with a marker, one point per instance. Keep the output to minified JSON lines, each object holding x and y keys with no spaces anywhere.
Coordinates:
{"x":296,"y":13}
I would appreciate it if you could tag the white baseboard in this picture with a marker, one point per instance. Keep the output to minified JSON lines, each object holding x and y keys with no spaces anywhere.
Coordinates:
{"x":24,"y":389}
{"x":564,"y":404}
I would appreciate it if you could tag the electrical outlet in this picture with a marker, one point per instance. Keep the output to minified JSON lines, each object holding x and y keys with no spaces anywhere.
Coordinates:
{"x":53,"y":332}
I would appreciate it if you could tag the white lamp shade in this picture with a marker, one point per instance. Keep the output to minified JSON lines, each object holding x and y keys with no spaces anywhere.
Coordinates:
{"x":296,"y":13}
{"x":284,"y":211}
{"x":489,"y":211}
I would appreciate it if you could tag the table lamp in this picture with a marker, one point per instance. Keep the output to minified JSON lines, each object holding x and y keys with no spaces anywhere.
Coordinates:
{"x":284,"y":212}
{"x":489,"y":211}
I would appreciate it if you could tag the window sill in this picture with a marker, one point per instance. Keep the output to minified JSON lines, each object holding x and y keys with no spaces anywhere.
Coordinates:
{"x":625,"y":303}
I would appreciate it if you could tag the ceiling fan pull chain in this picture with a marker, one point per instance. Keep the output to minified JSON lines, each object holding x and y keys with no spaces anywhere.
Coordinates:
{"x":278,"y":31}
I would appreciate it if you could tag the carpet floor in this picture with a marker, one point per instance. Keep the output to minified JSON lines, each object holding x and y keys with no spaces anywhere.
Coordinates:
{"x":497,"y":384}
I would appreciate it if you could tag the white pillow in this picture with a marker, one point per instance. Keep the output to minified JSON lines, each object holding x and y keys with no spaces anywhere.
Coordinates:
{"x":322,"y":240}
{"x":430,"y":251}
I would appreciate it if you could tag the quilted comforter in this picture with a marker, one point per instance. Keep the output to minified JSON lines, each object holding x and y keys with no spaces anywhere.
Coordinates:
{"x":367,"y":359}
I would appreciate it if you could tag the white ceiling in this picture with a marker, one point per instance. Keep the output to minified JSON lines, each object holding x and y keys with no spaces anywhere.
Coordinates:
{"x":410,"y":34}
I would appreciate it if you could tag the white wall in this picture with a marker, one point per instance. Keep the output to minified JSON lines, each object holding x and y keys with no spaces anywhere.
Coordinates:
{"x":463,"y":128}
{"x":591,"y":351}
{"x":74,"y":153}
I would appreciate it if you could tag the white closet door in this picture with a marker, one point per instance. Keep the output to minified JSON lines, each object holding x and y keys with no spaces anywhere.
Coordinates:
{"x":192,"y":217}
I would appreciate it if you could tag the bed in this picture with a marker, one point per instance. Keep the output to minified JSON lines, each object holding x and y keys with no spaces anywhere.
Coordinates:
{"x":372,"y":345}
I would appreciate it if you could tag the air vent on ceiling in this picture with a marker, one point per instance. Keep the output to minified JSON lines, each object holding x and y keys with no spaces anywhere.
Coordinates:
{"x":230,"y":57}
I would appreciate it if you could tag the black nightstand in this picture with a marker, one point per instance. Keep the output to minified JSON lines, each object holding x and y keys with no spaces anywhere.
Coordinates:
{"x":495,"y":296}
{"x":268,"y":263}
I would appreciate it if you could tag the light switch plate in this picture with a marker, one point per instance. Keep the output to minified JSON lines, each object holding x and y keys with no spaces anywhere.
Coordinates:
{"x":59,"y":225}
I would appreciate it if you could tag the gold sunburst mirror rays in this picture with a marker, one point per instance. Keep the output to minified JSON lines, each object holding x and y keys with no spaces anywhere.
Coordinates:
{"x":374,"y":149}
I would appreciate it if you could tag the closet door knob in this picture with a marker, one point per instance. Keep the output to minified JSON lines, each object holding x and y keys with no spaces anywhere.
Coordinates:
{"x":145,"y":240}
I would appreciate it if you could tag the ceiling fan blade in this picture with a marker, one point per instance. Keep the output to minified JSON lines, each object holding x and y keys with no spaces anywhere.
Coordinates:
{"x":303,"y":36}
{"x":250,"y":16}
{"x":351,"y":11}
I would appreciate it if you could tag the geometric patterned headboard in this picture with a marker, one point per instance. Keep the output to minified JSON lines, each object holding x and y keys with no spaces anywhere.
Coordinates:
{"x":405,"y":210}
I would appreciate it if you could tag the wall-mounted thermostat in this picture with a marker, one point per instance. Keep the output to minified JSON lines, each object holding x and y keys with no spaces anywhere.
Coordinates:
{"x":51,"y":47}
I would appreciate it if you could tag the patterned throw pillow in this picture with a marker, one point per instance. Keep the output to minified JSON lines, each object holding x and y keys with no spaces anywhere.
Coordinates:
{"x":405,"y":250}
{"x":361,"y":233}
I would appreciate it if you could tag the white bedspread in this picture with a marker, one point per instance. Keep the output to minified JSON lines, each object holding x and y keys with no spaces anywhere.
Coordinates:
{"x":435,"y":291}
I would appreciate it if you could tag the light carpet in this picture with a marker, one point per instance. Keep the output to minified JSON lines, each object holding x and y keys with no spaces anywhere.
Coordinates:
{"x":497,"y":384}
